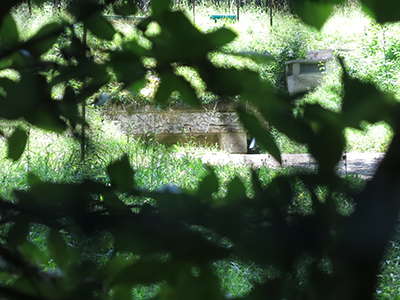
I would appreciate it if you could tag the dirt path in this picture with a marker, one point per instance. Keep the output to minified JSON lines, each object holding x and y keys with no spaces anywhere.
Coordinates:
{"x":362,"y":164}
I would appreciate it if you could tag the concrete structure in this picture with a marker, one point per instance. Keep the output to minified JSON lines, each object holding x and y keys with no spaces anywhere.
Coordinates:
{"x":173,"y":125}
{"x":303,"y":75}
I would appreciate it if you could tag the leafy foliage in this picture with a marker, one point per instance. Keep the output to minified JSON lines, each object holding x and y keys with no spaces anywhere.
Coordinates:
{"x":100,"y":246}
{"x":17,"y":143}
{"x":315,"y":12}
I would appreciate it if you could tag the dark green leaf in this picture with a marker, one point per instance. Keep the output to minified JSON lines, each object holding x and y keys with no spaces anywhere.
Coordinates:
{"x":186,"y":91}
{"x":30,"y":99}
{"x":9,"y":35}
{"x":5,"y":63}
{"x":228,"y":82}
{"x":16,"y":143}
{"x":33,"y":254}
{"x":262,"y":134}
{"x":137,"y":86}
{"x":362,"y":101}
{"x":58,"y":249}
{"x":236,"y":191}
{"x":261,"y":58}
{"x":25,"y":287}
{"x":69,"y":107}
{"x":170,"y":83}
{"x":208,"y":185}
{"x":45,"y":38}
{"x":18,"y":233}
{"x":100,"y":27}
{"x":314,"y":12}
{"x":382,"y":11}
{"x":143,"y":24}
{"x":145,"y":273}
{"x":135,"y":49}
{"x":277,"y":110}
{"x":33,"y":179}
{"x":220,"y":37}
{"x":125,"y":8}
{"x":114,"y":204}
{"x":329,"y":142}
{"x":47,"y":120}
{"x":179,"y":41}
{"x":118,"y":263}
{"x":160,"y":6}
{"x":6,"y":8}
{"x":165,"y":88}
{"x":122,"y":292}
{"x":127,"y":66}
{"x":121,"y":174}
{"x":203,"y":285}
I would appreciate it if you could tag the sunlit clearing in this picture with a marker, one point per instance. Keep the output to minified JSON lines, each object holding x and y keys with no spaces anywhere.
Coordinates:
{"x":346,"y":28}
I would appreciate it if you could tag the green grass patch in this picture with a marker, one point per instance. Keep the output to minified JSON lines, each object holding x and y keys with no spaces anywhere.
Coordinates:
{"x":370,"y":51}
{"x":56,"y":158}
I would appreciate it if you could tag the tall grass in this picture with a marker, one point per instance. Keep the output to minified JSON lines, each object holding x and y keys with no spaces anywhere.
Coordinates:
{"x":56,"y":158}
{"x":372,"y":55}
{"x":370,"y":52}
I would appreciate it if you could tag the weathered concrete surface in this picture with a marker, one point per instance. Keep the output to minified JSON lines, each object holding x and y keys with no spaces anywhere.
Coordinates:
{"x":299,"y":83}
{"x":321,"y":55}
{"x":303,"y":75}
{"x":176,"y":125}
{"x":178,"y":122}
{"x":361,"y":164}
{"x":233,"y":142}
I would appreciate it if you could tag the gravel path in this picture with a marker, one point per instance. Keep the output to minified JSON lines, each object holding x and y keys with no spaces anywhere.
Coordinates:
{"x":362,"y":164}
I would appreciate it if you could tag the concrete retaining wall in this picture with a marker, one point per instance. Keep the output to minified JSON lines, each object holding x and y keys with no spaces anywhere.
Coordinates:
{"x":210,"y":126}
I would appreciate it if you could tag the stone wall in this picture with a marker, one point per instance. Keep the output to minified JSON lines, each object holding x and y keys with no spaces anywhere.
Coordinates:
{"x":172,"y":125}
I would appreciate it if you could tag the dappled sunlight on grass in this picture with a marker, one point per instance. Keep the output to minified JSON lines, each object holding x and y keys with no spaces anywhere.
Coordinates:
{"x":375,"y":138}
{"x":370,"y":52}
{"x":345,"y":28}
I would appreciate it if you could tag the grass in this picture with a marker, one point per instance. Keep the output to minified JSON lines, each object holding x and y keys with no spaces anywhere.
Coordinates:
{"x":370,"y":52}
{"x":389,"y":279}
{"x":372,"y":56}
{"x":56,"y":158}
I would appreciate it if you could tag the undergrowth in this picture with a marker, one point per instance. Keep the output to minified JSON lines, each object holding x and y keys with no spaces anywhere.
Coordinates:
{"x":370,"y":52}
{"x":56,"y":158}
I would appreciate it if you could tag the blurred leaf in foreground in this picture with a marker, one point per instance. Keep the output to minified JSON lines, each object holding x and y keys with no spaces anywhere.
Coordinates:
{"x":16,"y":143}
{"x":315,"y":12}
{"x":382,"y":11}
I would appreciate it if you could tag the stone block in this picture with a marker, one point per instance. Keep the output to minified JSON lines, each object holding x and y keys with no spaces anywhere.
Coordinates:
{"x":233,"y":142}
